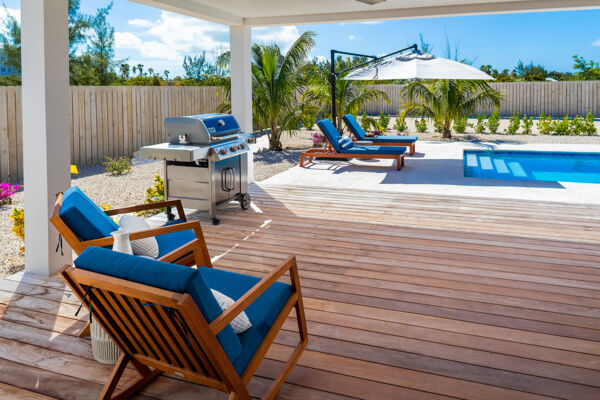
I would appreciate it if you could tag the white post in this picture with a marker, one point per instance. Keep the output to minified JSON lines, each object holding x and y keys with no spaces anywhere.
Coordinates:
{"x":240,"y":38}
{"x":46,"y":141}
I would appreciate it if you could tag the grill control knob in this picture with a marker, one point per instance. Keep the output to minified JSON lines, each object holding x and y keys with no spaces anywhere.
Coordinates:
{"x":223,"y":151}
{"x":233,"y":148}
{"x":241,"y":146}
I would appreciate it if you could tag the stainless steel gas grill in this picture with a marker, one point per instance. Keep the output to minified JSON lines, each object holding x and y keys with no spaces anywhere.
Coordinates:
{"x":206,"y":161}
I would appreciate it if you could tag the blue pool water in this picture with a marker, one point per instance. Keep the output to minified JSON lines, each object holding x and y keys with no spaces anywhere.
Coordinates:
{"x":555,"y":166}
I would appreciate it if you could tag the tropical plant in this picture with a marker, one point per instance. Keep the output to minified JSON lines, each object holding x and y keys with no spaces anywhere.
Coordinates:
{"x":365,"y":122}
{"x":480,"y":124}
{"x":154,"y":194}
{"x":117,"y":165}
{"x":460,"y":125}
{"x":493,"y":122}
{"x":277,"y":87}
{"x":561,"y":127}
{"x":588,"y":127}
{"x":18,"y":228}
{"x":420,"y":125}
{"x":400,"y":125}
{"x":545,"y":124}
{"x":384,"y":121}
{"x":6,"y":192}
{"x":527,"y":123}
{"x":369,"y":124}
{"x":447,"y":100}
{"x":513,"y":123}
{"x":437,"y":126}
{"x":350,"y":96}
{"x":576,"y":125}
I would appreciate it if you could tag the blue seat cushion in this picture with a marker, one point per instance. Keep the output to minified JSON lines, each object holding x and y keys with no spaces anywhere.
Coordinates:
{"x":172,"y":277}
{"x":262,"y":312}
{"x":84,"y":217}
{"x":394,"y":139}
{"x":331,"y":133}
{"x":171,"y":241}
{"x":399,"y":150}
{"x":354,"y":126}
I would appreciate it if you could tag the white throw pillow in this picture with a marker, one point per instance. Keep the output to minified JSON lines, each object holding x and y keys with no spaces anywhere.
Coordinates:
{"x":240,"y":323}
{"x":142,"y":247}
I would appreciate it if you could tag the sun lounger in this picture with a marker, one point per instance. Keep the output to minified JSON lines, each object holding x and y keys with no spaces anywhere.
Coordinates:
{"x":359,"y":134}
{"x":347,"y":149}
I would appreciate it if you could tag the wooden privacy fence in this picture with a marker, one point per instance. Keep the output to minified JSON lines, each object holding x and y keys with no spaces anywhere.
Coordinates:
{"x":552,"y":98}
{"x":105,"y":121}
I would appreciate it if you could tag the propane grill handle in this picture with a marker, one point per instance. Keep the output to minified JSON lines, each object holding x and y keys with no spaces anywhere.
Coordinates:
{"x":228,"y":179}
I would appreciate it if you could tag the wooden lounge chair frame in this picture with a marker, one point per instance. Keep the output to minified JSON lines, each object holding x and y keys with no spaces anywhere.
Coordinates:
{"x":184,"y":255}
{"x":161,"y":331}
{"x":330,"y":152}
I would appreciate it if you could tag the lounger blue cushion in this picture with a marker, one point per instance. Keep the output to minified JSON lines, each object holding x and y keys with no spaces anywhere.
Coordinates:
{"x":171,"y":241}
{"x":262,"y":312}
{"x":354,"y":126}
{"x":331,"y":133}
{"x":375,"y":150}
{"x":360,"y":134}
{"x":84,"y":217}
{"x":165,"y":276}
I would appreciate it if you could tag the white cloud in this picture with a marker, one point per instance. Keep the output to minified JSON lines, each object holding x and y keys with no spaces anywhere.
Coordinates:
{"x":284,"y":36}
{"x":596,"y":43}
{"x":370,"y":22}
{"x":351,"y":37}
{"x":162,"y":43}
{"x":3,"y":14}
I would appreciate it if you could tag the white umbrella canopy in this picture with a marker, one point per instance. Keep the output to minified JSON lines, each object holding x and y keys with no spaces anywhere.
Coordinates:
{"x":417,"y":65}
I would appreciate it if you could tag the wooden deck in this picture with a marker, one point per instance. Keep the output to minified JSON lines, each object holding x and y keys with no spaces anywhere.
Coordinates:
{"x":407,"y":297}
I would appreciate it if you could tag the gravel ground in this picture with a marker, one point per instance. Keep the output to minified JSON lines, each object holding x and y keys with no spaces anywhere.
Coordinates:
{"x":129,"y":189}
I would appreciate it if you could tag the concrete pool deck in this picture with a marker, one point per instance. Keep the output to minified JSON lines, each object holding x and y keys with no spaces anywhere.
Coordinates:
{"x":437,"y":168}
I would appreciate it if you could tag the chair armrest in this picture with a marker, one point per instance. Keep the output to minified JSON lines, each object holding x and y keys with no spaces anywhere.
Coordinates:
{"x":149,"y":206}
{"x":225,"y":318}
{"x":196,"y":246}
{"x":163,"y":230}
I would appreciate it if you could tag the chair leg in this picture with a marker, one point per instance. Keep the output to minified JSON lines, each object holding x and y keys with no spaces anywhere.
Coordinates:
{"x":412,"y":149}
{"x":294,"y":357}
{"x":85,"y":332}
{"x":302,"y":160}
{"x":132,"y":387}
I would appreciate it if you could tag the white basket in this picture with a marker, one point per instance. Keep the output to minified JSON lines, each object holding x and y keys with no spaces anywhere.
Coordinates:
{"x":103,"y":348}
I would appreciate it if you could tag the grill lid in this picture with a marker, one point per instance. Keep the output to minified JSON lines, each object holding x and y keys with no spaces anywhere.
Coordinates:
{"x":201,"y":128}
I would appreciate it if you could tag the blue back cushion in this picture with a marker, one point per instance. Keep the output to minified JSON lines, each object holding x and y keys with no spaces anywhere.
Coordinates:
{"x":331,"y":133}
{"x":172,"y":277}
{"x":83,"y":217}
{"x":354,"y":126}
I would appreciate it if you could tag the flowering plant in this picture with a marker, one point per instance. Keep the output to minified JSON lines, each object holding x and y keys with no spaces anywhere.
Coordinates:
{"x":318,"y":138}
{"x":6,"y":192}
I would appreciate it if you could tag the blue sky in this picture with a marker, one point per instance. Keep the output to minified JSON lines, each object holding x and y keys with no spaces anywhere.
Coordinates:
{"x":160,"y":39}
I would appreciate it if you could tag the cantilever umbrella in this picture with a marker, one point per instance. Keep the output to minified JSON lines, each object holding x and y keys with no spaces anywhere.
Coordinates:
{"x":416,"y":65}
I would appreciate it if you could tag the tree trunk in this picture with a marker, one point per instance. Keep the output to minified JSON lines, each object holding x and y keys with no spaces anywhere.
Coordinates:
{"x":274,"y":142}
{"x":446,"y":131}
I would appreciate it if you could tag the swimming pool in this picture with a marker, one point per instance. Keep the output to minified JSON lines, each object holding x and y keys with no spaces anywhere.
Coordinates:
{"x":555,"y":166}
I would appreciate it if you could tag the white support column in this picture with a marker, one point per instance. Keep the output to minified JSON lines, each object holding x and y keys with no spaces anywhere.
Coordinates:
{"x":240,"y":38}
{"x":46,"y":141}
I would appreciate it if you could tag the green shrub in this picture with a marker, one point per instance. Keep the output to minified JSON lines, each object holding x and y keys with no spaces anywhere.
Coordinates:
{"x":437,"y":126}
{"x":460,"y":125}
{"x":369,"y":124}
{"x":527,"y":123}
{"x":513,"y":123}
{"x":309,"y":120}
{"x":365,"y":122}
{"x":18,"y":228}
{"x":421,"y":125}
{"x":480,"y":124}
{"x":154,"y":194}
{"x":494,"y":122}
{"x":588,"y":128}
{"x":384,"y":121}
{"x":561,"y":127}
{"x":400,"y":124}
{"x":117,"y":166}
{"x":576,"y":125}
{"x":545,"y":125}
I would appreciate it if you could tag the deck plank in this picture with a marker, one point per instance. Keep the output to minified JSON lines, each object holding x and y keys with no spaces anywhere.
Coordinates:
{"x":407,"y":296}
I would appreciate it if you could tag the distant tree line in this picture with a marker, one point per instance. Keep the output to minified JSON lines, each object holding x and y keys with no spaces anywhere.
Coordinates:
{"x":92,"y":60}
{"x":585,"y":70}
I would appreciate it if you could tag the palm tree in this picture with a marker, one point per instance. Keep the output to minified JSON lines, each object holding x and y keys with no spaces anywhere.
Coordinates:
{"x":447,"y":100}
{"x":351,"y":96}
{"x":277,"y":86}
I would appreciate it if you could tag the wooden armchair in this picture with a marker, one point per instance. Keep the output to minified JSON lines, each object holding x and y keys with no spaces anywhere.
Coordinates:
{"x":160,"y":330}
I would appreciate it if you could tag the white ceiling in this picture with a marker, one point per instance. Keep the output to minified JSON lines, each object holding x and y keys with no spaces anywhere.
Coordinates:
{"x":294,"y":12}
